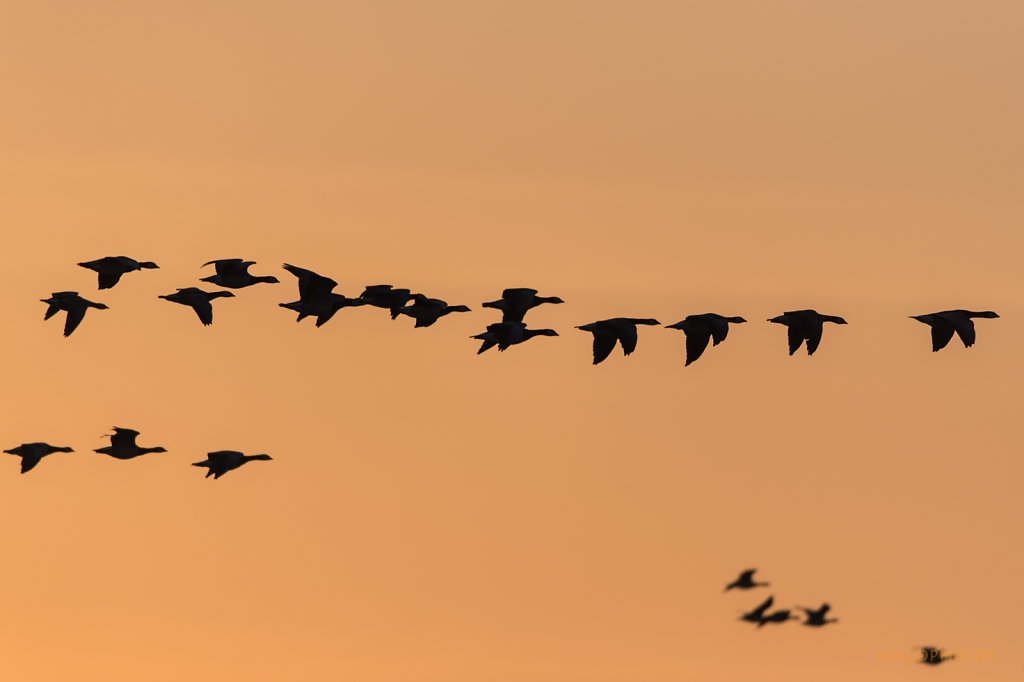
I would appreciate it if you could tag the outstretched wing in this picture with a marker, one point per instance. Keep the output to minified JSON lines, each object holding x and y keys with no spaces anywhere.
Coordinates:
{"x":696,"y":342}
{"x":813,"y":335}
{"x":796,"y":337}
{"x":965,"y":330}
{"x":627,"y":337}
{"x":29,"y":461}
{"x":204,"y":309}
{"x":123,"y":438}
{"x":603,"y":345}
{"x":75,"y":316}
{"x":942,"y":333}
{"x":108,"y":278}
{"x":719,"y":328}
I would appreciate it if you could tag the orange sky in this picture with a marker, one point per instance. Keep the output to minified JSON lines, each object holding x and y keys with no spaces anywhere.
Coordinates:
{"x":435,"y":515}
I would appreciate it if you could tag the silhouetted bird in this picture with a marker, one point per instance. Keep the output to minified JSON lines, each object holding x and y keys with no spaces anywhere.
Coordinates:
{"x":776,"y":617}
{"x":933,"y":656}
{"x":805,"y":325}
{"x":817,"y":618}
{"x":111,"y":268}
{"x":700,"y":328}
{"x":514,"y":303}
{"x":223,"y":461}
{"x":607,"y":332}
{"x":75,"y":306}
{"x":198,"y":300}
{"x":32,"y":453}
{"x":505,"y":334}
{"x":315,"y":297}
{"x":757,"y":614}
{"x":948,"y":321}
{"x":745,"y":581}
{"x":122,"y":445}
{"x":323,"y":313}
{"x":384,"y":296}
{"x":427,"y":311}
{"x":233,"y":273}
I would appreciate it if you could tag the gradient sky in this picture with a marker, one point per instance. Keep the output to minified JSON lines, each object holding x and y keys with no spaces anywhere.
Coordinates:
{"x":433,"y":515}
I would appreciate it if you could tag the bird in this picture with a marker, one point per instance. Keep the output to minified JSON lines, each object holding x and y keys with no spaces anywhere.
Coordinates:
{"x":775,"y":617}
{"x":75,"y":306}
{"x":701,"y":328}
{"x":514,"y":303}
{"x":233,"y":273}
{"x":111,"y":268}
{"x":505,"y":334}
{"x":757,"y":614}
{"x":32,"y":453}
{"x":385,"y":296}
{"x":745,"y":581}
{"x":943,"y":325}
{"x":220,"y":462}
{"x":607,"y":332}
{"x":198,"y":300}
{"x":427,"y":311}
{"x":805,"y":325}
{"x":816,"y":618}
{"x":323,"y":313}
{"x":122,"y":445}
{"x":314,"y":294}
{"x":933,"y":656}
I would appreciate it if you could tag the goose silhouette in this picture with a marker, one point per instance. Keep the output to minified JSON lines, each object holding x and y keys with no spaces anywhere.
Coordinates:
{"x":233,"y":273}
{"x":945,"y":323}
{"x":699,"y":329}
{"x":385,"y":296}
{"x":620,"y":330}
{"x":75,"y":306}
{"x":505,"y":334}
{"x":110,"y":268}
{"x":198,"y":300}
{"x":745,"y":581}
{"x":805,"y":325}
{"x":122,"y":445}
{"x":756,"y":615}
{"x":32,"y":453}
{"x":427,"y":311}
{"x":222,"y":461}
{"x":816,"y":617}
{"x":514,"y":303}
{"x":315,"y":296}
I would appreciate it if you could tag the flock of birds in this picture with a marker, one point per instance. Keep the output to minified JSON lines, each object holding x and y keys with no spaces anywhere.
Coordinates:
{"x":814,"y":617}
{"x":317,"y":299}
{"x":123,"y":446}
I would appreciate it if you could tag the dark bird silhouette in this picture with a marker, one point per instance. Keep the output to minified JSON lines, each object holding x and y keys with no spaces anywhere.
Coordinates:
{"x":323,"y":313}
{"x":384,"y":296}
{"x":948,"y":321}
{"x":699,"y":329}
{"x":617,"y":329}
{"x":514,"y":303}
{"x":111,"y":268}
{"x":198,"y":300}
{"x":505,"y":334}
{"x":805,"y":325}
{"x":220,"y":462}
{"x":75,"y":306}
{"x":933,"y":656}
{"x":315,"y":296}
{"x":427,"y":311}
{"x":122,"y":445}
{"x":32,"y":453}
{"x":776,"y":617}
{"x":233,"y":273}
{"x":816,"y":618}
{"x":745,"y":581}
{"x":757,"y":614}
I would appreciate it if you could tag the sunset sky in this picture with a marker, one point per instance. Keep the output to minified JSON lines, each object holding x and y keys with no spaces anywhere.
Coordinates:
{"x":431,"y":515}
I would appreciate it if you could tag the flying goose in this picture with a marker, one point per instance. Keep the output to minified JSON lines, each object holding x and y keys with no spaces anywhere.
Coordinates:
{"x":607,"y":332}
{"x":220,"y":462}
{"x":385,"y":296}
{"x":514,"y":303}
{"x":122,"y":445}
{"x":75,"y":306}
{"x":427,"y":311}
{"x":198,"y":300}
{"x":745,"y":581}
{"x":816,"y":618}
{"x":505,"y":334}
{"x":948,"y":321}
{"x":699,"y":329}
{"x":111,"y":268}
{"x":233,"y":273}
{"x":32,"y":453}
{"x":805,"y":325}
{"x":757,"y":614}
{"x":315,"y":297}
{"x":776,"y":617}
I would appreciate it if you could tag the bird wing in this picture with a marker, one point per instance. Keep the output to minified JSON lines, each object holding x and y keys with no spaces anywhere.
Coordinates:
{"x":942,"y":333}
{"x":796,"y":337}
{"x":718,"y":327}
{"x":123,"y":438}
{"x":627,"y":337}
{"x":696,"y":342}
{"x":108,"y":278}
{"x":965,"y":330}
{"x":603,"y":345}
{"x":813,"y":335}
{"x":204,"y":309}
{"x":75,"y":316}
{"x":52,"y":310}
{"x":746,"y":576}
{"x":765,"y":605}
{"x":29,"y":461}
